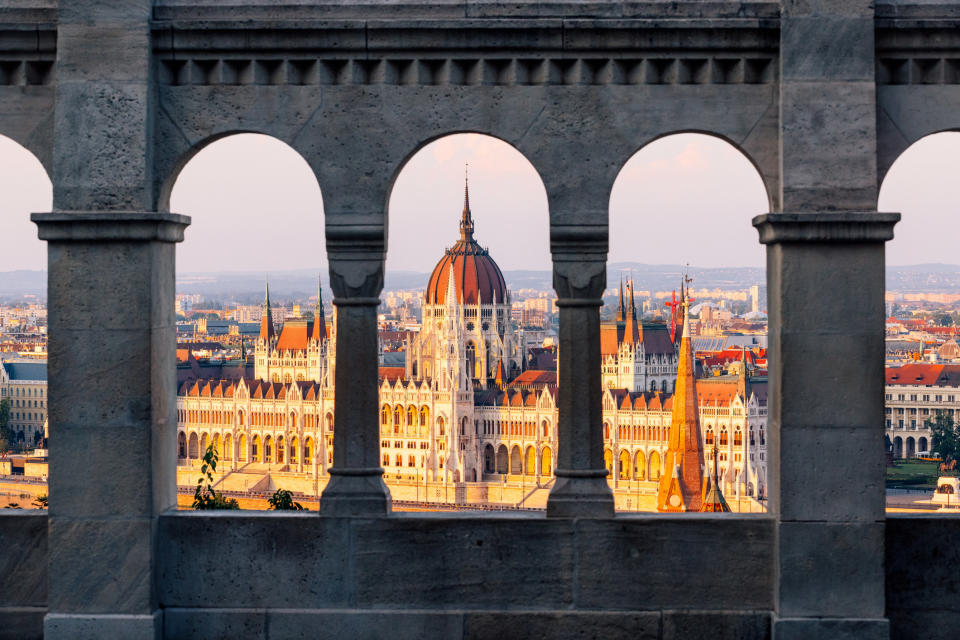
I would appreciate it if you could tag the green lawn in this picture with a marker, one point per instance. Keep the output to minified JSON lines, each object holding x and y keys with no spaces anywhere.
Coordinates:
{"x":912,"y":474}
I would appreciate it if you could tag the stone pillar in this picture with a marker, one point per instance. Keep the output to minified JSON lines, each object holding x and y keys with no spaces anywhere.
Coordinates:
{"x":825,"y":275}
{"x":113,"y":417}
{"x":579,"y":277}
{"x":356,"y":254}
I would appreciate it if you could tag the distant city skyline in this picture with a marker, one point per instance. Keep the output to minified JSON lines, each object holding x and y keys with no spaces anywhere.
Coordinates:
{"x":256,"y":205}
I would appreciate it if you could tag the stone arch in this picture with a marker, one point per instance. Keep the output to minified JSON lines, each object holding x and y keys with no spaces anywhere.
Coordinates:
{"x":530,"y":463}
{"x":545,"y":429}
{"x":640,"y":466}
{"x":516,"y":461}
{"x":911,"y":447}
{"x":653,"y":471}
{"x":385,"y":415}
{"x":280,"y":450}
{"x":217,"y":445}
{"x":487,"y":135}
{"x":441,"y":426}
{"x":767,"y":172}
{"x":424,"y":416}
{"x":308,"y":451}
{"x":181,"y":444}
{"x":328,"y":422}
{"x":625,"y":465}
{"x":546,"y":461}
{"x":268,"y":449}
{"x":920,"y":182}
{"x":397,"y":418}
{"x":227,"y":447}
{"x":294,"y":450}
{"x":204,"y":443}
{"x":608,"y":462}
{"x":922,"y":444}
{"x":489,"y":459}
{"x":194,"y":447}
{"x":898,"y":447}
{"x":242,"y":454}
{"x":503,"y":459}
{"x":256,"y":453}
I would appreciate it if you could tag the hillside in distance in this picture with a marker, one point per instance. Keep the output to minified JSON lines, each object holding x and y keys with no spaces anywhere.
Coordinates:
{"x":247,"y":286}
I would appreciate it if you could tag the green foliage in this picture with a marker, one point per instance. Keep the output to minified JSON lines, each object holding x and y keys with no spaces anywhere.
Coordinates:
{"x":12,"y":505}
{"x":7,"y":437}
{"x":946,"y":436}
{"x":912,"y":474}
{"x":205,"y":497}
{"x":282,"y":500}
{"x":943,"y":320}
{"x":41,"y":502}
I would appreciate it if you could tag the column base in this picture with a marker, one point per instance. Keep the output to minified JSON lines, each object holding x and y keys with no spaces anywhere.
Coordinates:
{"x":76,"y":626}
{"x":580,"y":494}
{"x":355,"y":492}
{"x":831,"y":628}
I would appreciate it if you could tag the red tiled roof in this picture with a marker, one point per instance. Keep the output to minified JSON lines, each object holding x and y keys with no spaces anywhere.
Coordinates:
{"x":532,"y":377}
{"x":392,"y":373}
{"x":920,"y":374}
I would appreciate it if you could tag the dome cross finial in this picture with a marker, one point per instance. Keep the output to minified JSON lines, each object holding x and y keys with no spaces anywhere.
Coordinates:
{"x":466,"y":221}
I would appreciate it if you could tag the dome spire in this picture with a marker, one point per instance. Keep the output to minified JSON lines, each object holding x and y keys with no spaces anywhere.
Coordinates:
{"x":466,"y":221}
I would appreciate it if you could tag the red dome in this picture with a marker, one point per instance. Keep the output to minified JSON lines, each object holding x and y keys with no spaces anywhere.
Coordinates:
{"x":475,"y":275}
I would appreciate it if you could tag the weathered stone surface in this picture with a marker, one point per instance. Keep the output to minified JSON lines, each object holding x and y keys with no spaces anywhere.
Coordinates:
{"x":21,"y":623}
{"x":463,"y":562}
{"x":211,"y":623}
{"x":565,"y":625}
{"x":717,"y":625}
{"x":826,"y":629}
{"x":96,"y":627}
{"x":921,"y":552}
{"x":845,"y":492}
{"x":23,"y":559}
{"x":364,"y":624}
{"x":634,"y":562}
{"x":830,"y":570}
{"x":100,"y":567}
{"x":240,"y":556}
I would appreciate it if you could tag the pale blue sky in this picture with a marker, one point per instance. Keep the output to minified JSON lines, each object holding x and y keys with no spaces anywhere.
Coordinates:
{"x":684,"y":198}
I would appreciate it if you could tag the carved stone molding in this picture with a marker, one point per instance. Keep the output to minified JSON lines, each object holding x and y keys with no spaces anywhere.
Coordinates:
{"x":112,"y":226}
{"x":841,"y":226}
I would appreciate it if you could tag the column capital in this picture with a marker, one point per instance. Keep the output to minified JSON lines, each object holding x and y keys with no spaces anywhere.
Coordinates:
{"x":820,"y":227}
{"x":110,"y":226}
{"x":579,"y":263}
{"x":356,"y":248}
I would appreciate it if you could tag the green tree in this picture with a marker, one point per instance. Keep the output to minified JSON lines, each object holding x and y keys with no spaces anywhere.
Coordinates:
{"x":946,"y":436}
{"x":205,"y":497}
{"x":41,"y":502}
{"x":5,"y":430}
{"x":282,"y":500}
{"x":944,"y":320}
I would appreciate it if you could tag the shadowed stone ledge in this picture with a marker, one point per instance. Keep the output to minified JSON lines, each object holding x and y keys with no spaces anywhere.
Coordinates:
{"x":843,"y":226}
{"x":113,"y":226}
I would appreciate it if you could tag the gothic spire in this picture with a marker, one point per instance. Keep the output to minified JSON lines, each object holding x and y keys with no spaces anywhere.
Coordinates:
{"x":266,"y":322}
{"x":620,"y":313}
{"x":319,"y":321}
{"x":466,"y":220}
{"x":685,"y":450}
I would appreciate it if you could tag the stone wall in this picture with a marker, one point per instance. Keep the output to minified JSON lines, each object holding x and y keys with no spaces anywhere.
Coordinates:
{"x":822,"y":96}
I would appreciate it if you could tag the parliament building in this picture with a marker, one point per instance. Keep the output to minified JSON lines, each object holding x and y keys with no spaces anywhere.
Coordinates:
{"x":465,"y":414}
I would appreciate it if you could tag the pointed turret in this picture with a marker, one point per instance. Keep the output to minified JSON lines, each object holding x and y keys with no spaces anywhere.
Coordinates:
{"x":631,"y":328}
{"x":620,"y":313}
{"x":319,"y":321}
{"x":266,"y":322}
{"x":714,"y":500}
{"x":685,"y":451}
{"x":466,"y":220}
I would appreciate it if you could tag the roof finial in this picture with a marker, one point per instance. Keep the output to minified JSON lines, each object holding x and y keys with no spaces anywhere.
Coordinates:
{"x":466,"y":221}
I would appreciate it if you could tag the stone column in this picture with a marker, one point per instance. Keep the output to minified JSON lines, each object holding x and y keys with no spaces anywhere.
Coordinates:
{"x":356,"y":254}
{"x":579,"y":278}
{"x":113,"y":417}
{"x":825,"y":275}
